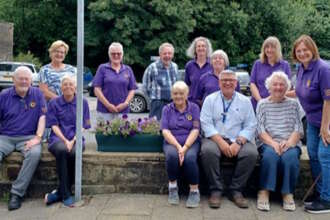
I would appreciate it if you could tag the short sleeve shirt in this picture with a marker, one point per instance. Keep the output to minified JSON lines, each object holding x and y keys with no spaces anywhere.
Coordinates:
{"x":53,"y":78}
{"x":63,"y":114}
{"x":180,"y":123}
{"x":20,"y":116}
{"x":115,"y":86}
{"x":312,"y":88}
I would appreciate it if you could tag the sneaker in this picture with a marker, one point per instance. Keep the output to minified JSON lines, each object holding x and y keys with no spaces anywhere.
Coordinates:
{"x":173,"y":196}
{"x":318,"y":206}
{"x":311,"y":198}
{"x":52,"y":197}
{"x":193,"y":199}
{"x":69,"y":202}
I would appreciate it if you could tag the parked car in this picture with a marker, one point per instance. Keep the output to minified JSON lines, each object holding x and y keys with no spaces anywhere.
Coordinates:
{"x":7,"y":69}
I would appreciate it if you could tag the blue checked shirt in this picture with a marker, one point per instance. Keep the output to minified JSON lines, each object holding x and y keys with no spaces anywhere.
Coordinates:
{"x":158,"y":80}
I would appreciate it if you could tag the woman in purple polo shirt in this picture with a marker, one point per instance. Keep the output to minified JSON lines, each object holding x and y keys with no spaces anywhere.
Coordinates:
{"x":61,"y":118}
{"x":180,"y":127}
{"x":313,"y":91}
{"x":209,"y":82}
{"x":200,"y":50}
{"x":270,"y":61}
{"x":114,"y":85}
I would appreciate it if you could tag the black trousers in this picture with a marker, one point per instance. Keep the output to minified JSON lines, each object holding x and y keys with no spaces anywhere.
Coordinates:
{"x":65,"y":168}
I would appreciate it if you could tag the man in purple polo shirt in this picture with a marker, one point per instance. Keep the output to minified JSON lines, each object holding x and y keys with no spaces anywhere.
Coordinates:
{"x":61,"y":118}
{"x":22,"y":118}
{"x":114,"y":85}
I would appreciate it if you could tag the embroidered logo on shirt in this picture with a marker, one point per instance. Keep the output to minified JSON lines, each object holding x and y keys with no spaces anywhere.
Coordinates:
{"x":308,"y":83}
{"x":32,"y":104}
{"x":189,"y":117}
{"x":327,"y":92}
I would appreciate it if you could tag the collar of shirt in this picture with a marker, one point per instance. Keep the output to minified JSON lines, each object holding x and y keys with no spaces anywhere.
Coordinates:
{"x":160,"y":64}
{"x":122,"y":67}
{"x":311,"y":65}
{"x":62,"y":101}
{"x":187,"y":109}
{"x":206,"y":63}
{"x":14,"y":93}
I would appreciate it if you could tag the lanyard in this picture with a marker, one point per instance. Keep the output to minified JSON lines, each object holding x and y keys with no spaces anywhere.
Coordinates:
{"x":225,"y":109}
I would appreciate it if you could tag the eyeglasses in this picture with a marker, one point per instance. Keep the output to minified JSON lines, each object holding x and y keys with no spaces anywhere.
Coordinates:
{"x":59,"y":51}
{"x":227,"y":80}
{"x":115,"y":54}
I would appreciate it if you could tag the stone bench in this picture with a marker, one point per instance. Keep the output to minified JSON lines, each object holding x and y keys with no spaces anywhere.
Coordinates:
{"x":116,"y":173}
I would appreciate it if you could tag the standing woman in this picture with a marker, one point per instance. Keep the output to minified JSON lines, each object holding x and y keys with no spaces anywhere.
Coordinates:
{"x":200,"y":50}
{"x":313,"y":91}
{"x":52,"y":73}
{"x":209,"y":82}
{"x":61,"y":118}
{"x":114,"y":85}
{"x":270,"y":61}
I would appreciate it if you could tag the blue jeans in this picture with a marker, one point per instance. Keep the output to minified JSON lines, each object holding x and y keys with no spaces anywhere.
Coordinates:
{"x":190,"y":165}
{"x":273,"y":165}
{"x":319,"y":159}
{"x":156,"y":108}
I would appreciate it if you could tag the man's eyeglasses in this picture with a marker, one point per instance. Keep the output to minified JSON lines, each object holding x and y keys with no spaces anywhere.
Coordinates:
{"x":227,"y":80}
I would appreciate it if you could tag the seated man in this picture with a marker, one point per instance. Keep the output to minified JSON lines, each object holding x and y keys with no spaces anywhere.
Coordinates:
{"x":22,"y":119}
{"x":229,"y":125}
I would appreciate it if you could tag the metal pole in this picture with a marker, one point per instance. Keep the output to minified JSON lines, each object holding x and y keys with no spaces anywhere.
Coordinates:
{"x":79,"y":96}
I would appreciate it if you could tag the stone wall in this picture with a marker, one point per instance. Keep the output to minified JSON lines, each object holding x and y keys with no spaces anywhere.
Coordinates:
{"x":6,"y":41}
{"x":117,"y":172}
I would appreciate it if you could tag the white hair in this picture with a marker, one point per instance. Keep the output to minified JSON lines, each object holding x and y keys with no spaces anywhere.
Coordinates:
{"x":230,"y":72}
{"x":69,"y":78}
{"x":163,"y":45}
{"x":116,"y":44}
{"x":222,"y":54}
{"x":278,"y":74}
{"x":23,"y":69}
{"x":191,"y":51}
{"x":180,"y":85}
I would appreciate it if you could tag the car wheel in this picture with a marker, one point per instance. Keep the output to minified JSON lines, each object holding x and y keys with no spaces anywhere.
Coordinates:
{"x":138,"y":104}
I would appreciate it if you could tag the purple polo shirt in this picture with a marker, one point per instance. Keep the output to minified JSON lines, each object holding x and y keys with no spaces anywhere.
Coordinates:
{"x":115,"y":86}
{"x":20,"y":116}
{"x":261,"y":71}
{"x":209,"y":83}
{"x":180,"y":124}
{"x":63,"y":114}
{"x":192,"y":75}
{"x":312,"y":88}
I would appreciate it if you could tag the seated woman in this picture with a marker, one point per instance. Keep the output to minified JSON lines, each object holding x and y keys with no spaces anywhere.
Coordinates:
{"x":280,"y":130}
{"x":180,"y":127}
{"x":61,"y":118}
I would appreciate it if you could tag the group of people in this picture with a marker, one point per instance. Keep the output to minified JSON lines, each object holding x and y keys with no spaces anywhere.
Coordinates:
{"x":205,"y":115}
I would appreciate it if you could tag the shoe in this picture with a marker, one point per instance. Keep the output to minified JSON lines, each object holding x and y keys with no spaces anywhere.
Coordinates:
{"x":15,"y":202}
{"x":263,"y":200}
{"x":318,"y":206}
{"x":193,"y":199}
{"x":288,"y":202}
{"x":173,"y":196}
{"x":69,"y":202}
{"x":215,"y":200}
{"x":239,"y":200}
{"x":311,"y":198}
{"x":52,"y":197}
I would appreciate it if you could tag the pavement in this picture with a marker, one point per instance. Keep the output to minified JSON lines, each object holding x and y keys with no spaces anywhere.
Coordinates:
{"x":148,"y":207}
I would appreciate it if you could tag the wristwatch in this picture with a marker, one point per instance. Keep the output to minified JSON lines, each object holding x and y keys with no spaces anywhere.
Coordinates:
{"x":239,"y":142}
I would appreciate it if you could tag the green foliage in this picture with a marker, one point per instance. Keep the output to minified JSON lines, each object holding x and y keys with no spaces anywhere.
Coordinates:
{"x":28,"y":57}
{"x":237,"y":26}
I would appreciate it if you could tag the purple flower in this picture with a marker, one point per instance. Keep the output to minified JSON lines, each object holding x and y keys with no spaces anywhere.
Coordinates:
{"x":125,"y":116}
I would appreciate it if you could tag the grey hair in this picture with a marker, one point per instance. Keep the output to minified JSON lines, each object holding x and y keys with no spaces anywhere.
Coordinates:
{"x":163,"y":45}
{"x":69,"y":78}
{"x":24,"y":69}
{"x":222,"y":54}
{"x":278,"y":74}
{"x":227,"y":72}
{"x":180,"y":85}
{"x":191,"y":51}
{"x":116,"y":44}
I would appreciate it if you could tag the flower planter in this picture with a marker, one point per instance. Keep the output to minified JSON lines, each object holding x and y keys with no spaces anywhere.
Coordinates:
{"x":136,"y":143}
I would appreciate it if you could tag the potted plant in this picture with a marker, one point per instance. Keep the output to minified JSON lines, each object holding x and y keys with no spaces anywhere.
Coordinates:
{"x":124,"y":135}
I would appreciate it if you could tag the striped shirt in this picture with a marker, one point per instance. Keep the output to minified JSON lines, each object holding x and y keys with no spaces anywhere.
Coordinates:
{"x":158,"y":80}
{"x":279,"y":120}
